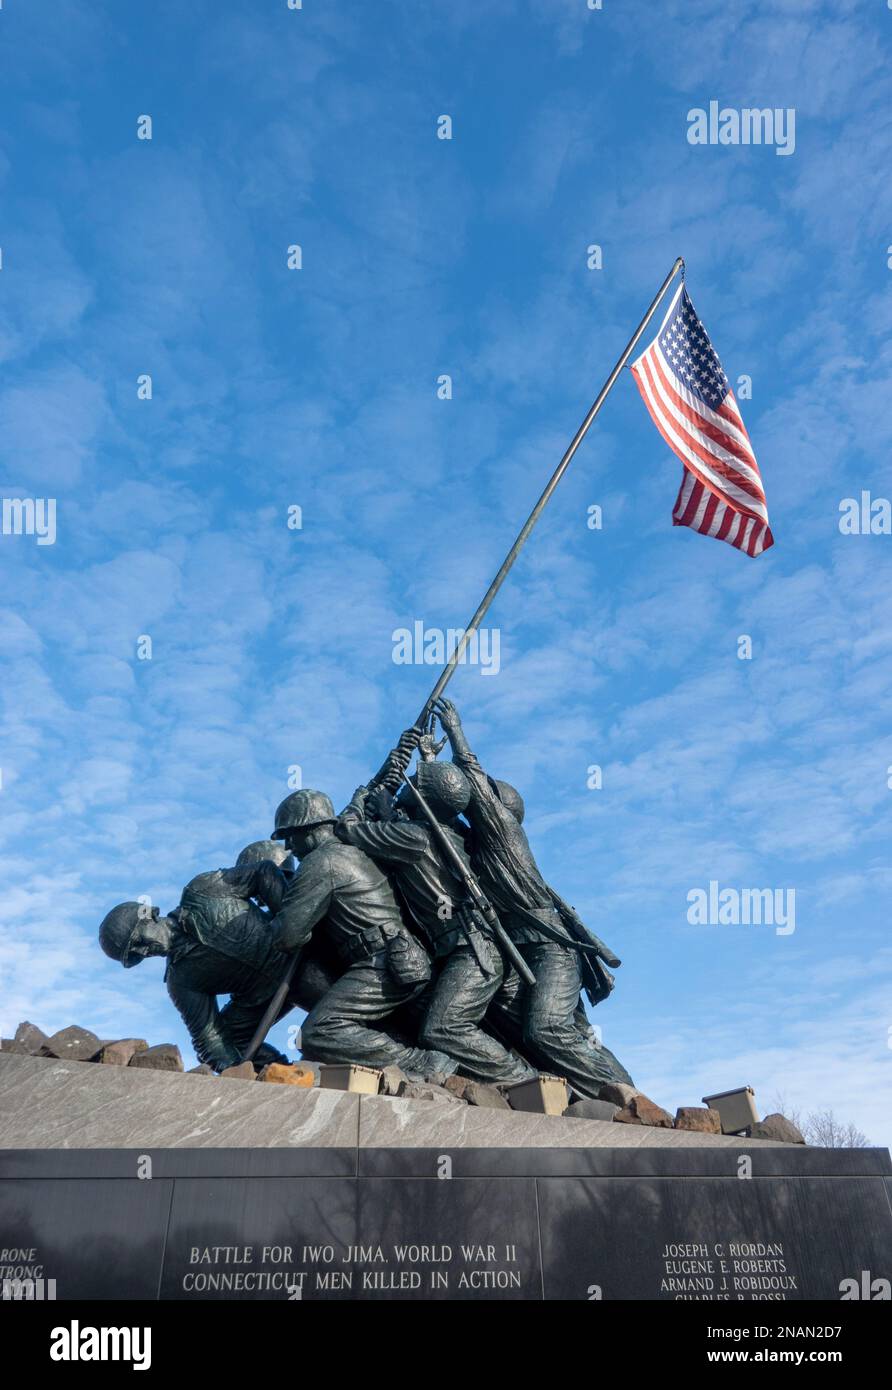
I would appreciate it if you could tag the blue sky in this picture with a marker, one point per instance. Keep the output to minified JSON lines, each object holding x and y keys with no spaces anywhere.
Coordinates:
{"x":318,"y":388}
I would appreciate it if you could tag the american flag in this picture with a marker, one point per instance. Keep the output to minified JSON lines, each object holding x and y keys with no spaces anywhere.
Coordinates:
{"x":690,"y":400}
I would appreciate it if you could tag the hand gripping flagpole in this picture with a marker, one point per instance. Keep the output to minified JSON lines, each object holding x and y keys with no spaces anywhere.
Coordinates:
{"x":385,"y":775}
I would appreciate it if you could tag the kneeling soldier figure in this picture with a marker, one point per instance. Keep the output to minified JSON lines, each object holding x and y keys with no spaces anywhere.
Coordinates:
{"x":219,"y":941}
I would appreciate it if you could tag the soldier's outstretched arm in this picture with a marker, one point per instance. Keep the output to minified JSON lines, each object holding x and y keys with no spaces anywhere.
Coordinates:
{"x":264,"y":881}
{"x":306,"y":901}
{"x":210,"y":1037}
{"x":400,"y":842}
{"x":486,"y":812}
{"x":241,"y":1018}
{"x":398,"y":759}
{"x":450,"y":720}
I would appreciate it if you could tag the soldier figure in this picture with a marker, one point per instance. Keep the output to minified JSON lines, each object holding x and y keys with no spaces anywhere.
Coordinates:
{"x":472,"y":966}
{"x":218,"y":941}
{"x":545,"y":930}
{"x":341,"y":890}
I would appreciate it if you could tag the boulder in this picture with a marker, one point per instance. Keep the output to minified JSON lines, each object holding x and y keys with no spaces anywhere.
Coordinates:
{"x":699,"y":1118}
{"x":487,"y":1097}
{"x":476,"y":1093}
{"x":241,"y":1071}
{"x":201,"y":1070}
{"x":423,"y":1090}
{"x":618,"y":1093}
{"x":30,"y":1040}
{"x":586,"y":1109}
{"x":120,"y":1053}
{"x":297,"y":1074}
{"x":161,"y":1057}
{"x":777,"y":1126}
{"x":73,"y":1044}
{"x":391,"y":1080}
{"x":641,"y":1110}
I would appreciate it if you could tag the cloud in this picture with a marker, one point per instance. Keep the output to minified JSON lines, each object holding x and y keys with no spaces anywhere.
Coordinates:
{"x":272,"y":647}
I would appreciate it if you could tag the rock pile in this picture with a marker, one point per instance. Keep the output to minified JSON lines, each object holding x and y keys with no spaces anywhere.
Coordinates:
{"x":618,"y":1103}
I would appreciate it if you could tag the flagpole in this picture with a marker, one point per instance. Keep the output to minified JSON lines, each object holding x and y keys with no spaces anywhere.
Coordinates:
{"x":446,"y":674}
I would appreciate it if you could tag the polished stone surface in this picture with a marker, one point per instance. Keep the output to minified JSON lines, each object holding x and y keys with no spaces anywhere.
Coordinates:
{"x":293,"y":1223}
{"x":770,"y":1239}
{"x":325,"y":1239}
{"x":145,"y":1185}
{"x":95,"y":1238}
{"x":46,"y":1103}
{"x":397,"y":1123}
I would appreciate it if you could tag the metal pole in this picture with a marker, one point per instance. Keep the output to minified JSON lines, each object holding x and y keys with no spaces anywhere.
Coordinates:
{"x":273,"y":1009}
{"x":446,"y":673}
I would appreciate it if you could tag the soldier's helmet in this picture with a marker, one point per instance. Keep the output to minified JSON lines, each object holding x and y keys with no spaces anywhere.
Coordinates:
{"x":302,"y":809}
{"x":510,"y":798}
{"x":261,"y":850}
{"x":116,"y":931}
{"x":444,"y":787}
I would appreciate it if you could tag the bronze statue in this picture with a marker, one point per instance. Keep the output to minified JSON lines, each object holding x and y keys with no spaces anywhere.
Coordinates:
{"x":342,"y":894}
{"x":219,"y":941}
{"x":469,"y":964}
{"x":411,"y":937}
{"x":563,"y":956}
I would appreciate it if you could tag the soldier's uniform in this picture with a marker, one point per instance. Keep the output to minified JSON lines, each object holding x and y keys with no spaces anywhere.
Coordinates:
{"x":345,"y":894}
{"x":547,"y":1015}
{"x":471,"y":967}
{"x":224,"y":944}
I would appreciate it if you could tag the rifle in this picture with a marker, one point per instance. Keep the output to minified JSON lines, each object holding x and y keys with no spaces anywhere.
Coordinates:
{"x":481,"y":905}
{"x":273,"y":1009}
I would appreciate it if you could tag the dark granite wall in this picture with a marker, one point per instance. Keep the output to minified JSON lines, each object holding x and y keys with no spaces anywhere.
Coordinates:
{"x":341,"y":1223}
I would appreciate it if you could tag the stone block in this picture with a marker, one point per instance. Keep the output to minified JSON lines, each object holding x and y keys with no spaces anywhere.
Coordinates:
{"x":423,"y":1090}
{"x":391,"y":1080}
{"x":698,"y":1118}
{"x":161,"y":1057}
{"x":618,"y":1093}
{"x":73,"y":1044}
{"x":480,"y":1093}
{"x":777,"y":1127}
{"x":49,"y":1104}
{"x":121,"y":1052}
{"x":641,"y":1110}
{"x":242,"y":1071}
{"x":591,"y":1110}
{"x":30,"y":1040}
{"x":297,"y":1074}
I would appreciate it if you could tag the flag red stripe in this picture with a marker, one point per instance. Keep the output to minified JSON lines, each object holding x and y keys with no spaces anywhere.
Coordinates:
{"x":727,"y":473}
{"x":689,"y":398}
{"x":717,"y":436}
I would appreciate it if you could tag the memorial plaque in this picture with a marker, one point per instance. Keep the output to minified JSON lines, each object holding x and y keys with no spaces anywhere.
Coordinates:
{"x":771,"y":1239}
{"x":370,"y":1239}
{"x":415,"y":1224}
